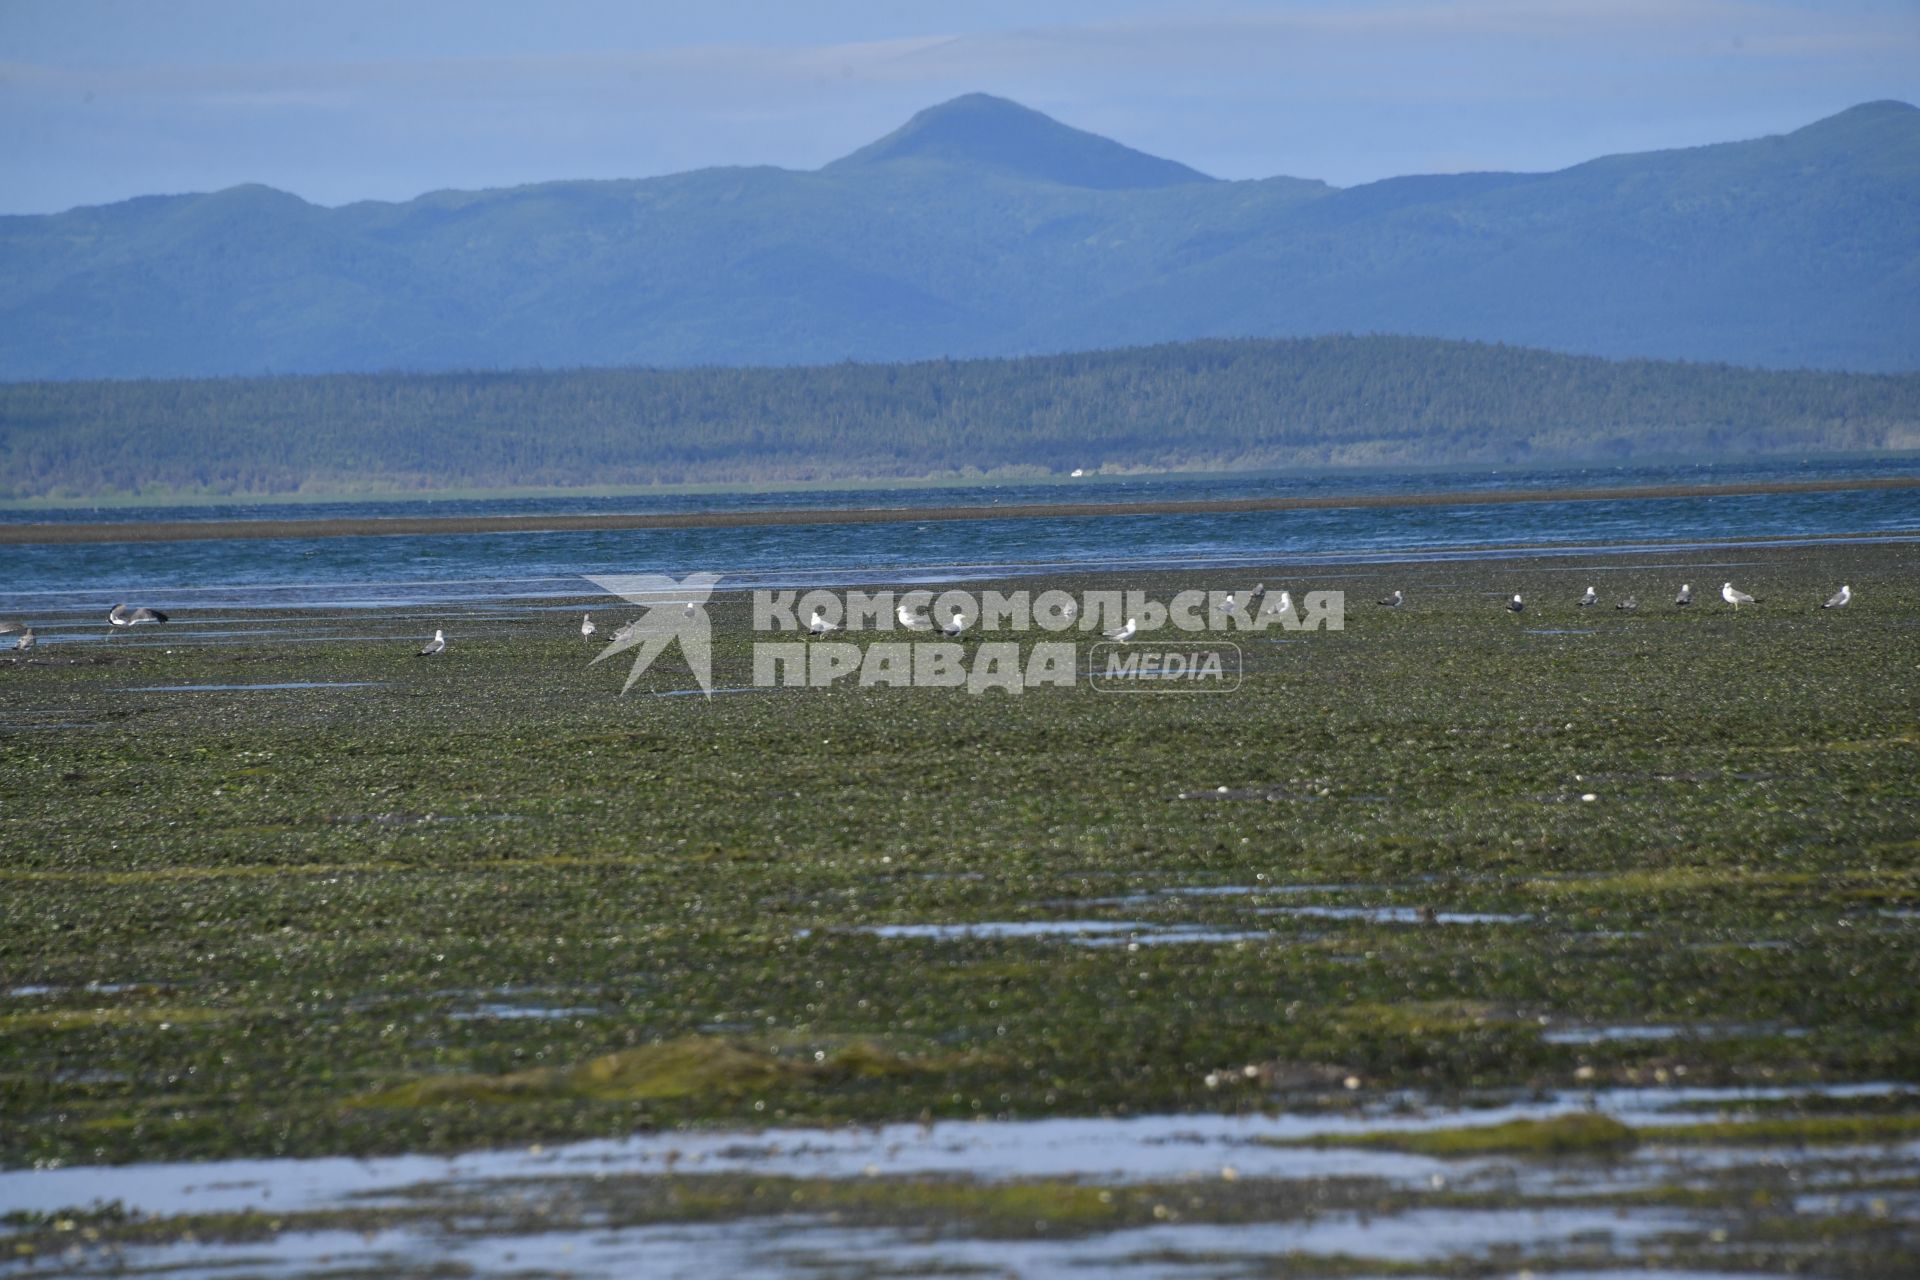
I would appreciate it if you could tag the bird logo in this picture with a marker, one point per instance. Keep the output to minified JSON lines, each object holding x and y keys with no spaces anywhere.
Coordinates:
{"x":675,"y":610}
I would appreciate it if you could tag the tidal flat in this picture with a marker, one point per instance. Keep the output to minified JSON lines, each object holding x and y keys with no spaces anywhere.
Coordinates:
{"x":289,"y":892}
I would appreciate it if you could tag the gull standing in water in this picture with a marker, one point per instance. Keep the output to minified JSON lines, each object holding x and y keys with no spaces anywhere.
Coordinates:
{"x":1733,"y":597}
{"x":586,"y":626}
{"x":818,"y":623}
{"x":436,"y":645}
{"x":1516,"y":604}
{"x":1125,"y":633}
{"x":1395,"y":600}
{"x":122,"y":616}
{"x":1592,"y":597}
{"x":1685,"y":597}
{"x":1838,"y":600}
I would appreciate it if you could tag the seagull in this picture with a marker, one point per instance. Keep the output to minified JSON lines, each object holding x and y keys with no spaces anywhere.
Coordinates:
{"x":955,"y":625}
{"x":1230,"y":606}
{"x":121,"y":616}
{"x":1629,"y":604}
{"x":622,"y":632}
{"x":1685,"y":597}
{"x":1515,"y":605}
{"x":436,"y":645}
{"x":818,"y":623}
{"x":1592,"y":597}
{"x":8,"y":628}
{"x":1069,"y":611}
{"x":686,"y":610}
{"x":1255,"y":596}
{"x":904,"y":616}
{"x":25,"y":642}
{"x":586,"y":625}
{"x":1838,"y":600}
{"x":1732,"y":597}
{"x":1395,"y":600}
{"x":1125,"y":633}
{"x":1284,"y":605}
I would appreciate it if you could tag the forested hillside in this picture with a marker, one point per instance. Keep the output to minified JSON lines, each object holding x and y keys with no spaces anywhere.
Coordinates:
{"x":1300,"y":402}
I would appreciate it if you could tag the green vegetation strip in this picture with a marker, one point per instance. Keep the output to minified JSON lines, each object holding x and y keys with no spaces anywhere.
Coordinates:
{"x":1598,"y":1134}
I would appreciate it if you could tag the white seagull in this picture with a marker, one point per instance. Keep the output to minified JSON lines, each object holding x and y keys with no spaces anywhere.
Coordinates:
{"x":586,"y":625}
{"x":1838,"y":600}
{"x":1685,"y":597}
{"x":436,"y":645}
{"x":1125,"y":633}
{"x":1516,"y":604}
{"x":8,"y":628}
{"x":121,"y":616}
{"x":1282,"y":605}
{"x":1592,"y":597}
{"x":1629,"y":604}
{"x":25,"y":641}
{"x":1395,"y":600}
{"x":905,"y":617}
{"x":1732,"y":597}
{"x":955,"y":625}
{"x":818,"y":623}
{"x":1230,"y":606}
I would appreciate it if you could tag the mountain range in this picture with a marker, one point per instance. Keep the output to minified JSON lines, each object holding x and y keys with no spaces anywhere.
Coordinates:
{"x":982,"y":228}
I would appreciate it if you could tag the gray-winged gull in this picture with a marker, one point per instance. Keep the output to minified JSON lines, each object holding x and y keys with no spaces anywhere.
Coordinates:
{"x":123,"y":616}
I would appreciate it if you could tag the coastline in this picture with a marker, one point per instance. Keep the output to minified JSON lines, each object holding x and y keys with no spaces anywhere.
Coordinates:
{"x":55,"y":533}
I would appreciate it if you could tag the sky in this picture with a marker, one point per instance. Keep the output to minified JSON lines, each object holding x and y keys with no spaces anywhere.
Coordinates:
{"x":102,"y":100}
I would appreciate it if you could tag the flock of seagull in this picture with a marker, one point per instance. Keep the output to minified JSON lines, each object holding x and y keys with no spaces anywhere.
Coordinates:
{"x":1682,"y":600}
{"x":122,"y":615}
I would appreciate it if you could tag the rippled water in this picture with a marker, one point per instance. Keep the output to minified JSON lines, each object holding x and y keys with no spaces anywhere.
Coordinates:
{"x":76,"y":580}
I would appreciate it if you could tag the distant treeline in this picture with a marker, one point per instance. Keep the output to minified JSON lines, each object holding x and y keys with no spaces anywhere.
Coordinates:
{"x":1217,"y":404}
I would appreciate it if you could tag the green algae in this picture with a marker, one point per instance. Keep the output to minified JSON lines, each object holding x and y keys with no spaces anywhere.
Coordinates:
{"x":328,"y":903}
{"x":1580,"y":1134}
{"x":1592,"y":1133}
{"x":1789,"y":1130}
{"x":688,"y":1067}
{"x":160,"y":1017}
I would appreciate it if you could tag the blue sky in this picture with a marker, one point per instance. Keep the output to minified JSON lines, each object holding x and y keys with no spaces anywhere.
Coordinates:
{"x":101,"y":100}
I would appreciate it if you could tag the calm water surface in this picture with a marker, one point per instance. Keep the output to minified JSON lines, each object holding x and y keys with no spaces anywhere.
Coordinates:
{"x":74,"y":581}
